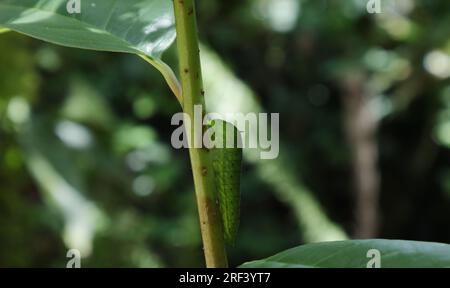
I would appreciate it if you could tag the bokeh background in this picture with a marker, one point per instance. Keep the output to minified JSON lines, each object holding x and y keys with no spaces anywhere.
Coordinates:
{"x":364,"y":103}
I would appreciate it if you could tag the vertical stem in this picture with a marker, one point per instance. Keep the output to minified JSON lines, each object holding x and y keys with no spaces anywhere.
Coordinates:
{"x":191,"y":81}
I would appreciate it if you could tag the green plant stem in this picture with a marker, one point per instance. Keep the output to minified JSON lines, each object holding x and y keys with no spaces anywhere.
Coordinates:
{"x":192,"y":87}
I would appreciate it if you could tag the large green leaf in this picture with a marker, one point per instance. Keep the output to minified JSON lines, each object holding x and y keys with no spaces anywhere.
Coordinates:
{"x":143,"y":27}
{"x":353,"y":254}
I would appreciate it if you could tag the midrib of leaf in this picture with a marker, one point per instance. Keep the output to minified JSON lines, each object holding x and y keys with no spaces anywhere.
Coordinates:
{"x":275,"y":263}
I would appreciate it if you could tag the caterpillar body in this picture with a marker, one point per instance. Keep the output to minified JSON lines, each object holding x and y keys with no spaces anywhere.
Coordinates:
{"x":227,"y":164}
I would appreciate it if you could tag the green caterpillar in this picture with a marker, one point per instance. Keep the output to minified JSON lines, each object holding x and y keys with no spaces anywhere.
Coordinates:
{"x":227,"y":169}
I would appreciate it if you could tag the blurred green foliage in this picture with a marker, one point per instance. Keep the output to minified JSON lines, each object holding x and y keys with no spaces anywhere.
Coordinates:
{"x":86,"y":161}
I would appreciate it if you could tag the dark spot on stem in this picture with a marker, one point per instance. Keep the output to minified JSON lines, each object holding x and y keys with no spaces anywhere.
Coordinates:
{"x":186,"y":70}
{"x":191,"y":11}
{"x":204,"y":171}
{"x":203,"y":92}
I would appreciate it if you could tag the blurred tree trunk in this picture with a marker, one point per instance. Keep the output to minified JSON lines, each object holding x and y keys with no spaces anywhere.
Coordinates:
{"x":361,"y":126}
